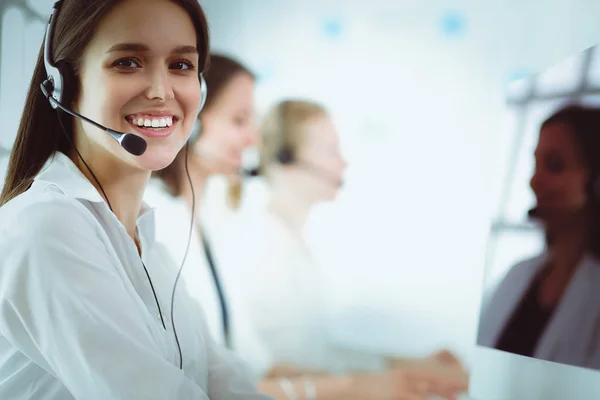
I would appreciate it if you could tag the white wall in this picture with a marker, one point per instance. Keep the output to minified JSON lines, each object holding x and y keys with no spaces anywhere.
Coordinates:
{"x":21,"y":41}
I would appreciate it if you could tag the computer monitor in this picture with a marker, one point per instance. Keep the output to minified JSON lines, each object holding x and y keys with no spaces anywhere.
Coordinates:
{"x":539,"y":328}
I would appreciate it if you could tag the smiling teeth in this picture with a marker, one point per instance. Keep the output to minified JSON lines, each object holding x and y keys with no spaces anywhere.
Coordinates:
{"x":153,"y":122}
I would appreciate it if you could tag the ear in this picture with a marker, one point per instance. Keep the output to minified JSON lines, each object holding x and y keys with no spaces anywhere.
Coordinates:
{"x":70,"y":85}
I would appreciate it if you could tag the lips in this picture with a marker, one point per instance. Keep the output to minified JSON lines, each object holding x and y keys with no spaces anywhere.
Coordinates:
{"x":151,"y":121}
{"x":152,"y":126}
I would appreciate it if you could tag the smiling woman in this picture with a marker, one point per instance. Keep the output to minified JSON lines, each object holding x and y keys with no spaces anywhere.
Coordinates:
{"x":86,"y":295}
{"x":121,"y":60}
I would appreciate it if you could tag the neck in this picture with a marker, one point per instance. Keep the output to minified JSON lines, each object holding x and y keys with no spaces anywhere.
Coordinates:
{"x":290,"y":207}
{"x":122,"y":188}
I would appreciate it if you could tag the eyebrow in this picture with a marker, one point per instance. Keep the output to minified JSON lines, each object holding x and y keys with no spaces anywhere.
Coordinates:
{"x":142,"y":48}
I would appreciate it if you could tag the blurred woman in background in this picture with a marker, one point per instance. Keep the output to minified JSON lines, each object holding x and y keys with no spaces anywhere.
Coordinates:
{"x":548,"y":306}
{"x":226,"y":129}
{"x":302,"y":163}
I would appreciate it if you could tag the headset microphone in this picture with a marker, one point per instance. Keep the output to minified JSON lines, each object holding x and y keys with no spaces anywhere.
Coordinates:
{"x":131,"y":143}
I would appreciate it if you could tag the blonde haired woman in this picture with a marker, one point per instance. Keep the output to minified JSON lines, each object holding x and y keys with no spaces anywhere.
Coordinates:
{"x":303,"y":165}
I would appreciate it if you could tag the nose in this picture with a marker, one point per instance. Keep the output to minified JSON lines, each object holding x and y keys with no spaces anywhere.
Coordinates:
{"x":160,"y":87}
{"x":343,"y":163}
{"x":534,"y":182}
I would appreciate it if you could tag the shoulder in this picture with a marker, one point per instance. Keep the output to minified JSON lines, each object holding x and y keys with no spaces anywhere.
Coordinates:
{"x":48,"y":236}
{"x":525,"y":268}
{"x":39,"y":226}
{"x":43,"y":213}
{"x":521,"y":271}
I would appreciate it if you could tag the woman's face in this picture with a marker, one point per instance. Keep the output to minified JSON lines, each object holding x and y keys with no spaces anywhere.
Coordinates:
{"x":227,"y":128}
{"x":319,"y":163}
{"x":139,"y":74}
{"x":560,"y":178}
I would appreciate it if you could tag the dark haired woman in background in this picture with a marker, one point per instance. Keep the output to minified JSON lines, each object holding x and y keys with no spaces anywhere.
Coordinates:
{"x":225,"y":128}
{"x":548,"y":307}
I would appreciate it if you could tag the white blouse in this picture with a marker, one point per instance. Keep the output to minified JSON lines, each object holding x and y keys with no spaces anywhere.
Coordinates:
{"x":78,"y":319}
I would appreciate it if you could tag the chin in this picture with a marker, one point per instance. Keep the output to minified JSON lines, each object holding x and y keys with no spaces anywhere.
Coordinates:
{"x":155,"y":159}
{"x":329,"y":197}
{"x":558,"y":215}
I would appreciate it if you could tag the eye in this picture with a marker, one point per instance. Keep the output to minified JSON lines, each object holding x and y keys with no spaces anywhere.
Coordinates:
{"x":127,"y":63}
{"x":555,"y":165}
{"x":182,"y":65}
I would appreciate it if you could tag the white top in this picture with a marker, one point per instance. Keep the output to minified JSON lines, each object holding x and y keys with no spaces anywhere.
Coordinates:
{"x":173,"y":218}
{"x":288,"y":301}
{"x":78,"y":319}
{"x":572,"y":334}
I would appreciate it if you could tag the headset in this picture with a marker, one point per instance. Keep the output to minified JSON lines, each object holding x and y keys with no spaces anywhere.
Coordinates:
{"x":52,"y":88}
{"x":286,"y":155}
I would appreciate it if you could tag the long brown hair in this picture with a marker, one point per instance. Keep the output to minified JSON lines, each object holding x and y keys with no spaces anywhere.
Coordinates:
{"x":40,"y":134}
{"x":219,"y":73}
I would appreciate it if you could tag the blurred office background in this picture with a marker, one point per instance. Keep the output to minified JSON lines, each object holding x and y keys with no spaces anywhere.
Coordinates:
{"x":438,"y":139}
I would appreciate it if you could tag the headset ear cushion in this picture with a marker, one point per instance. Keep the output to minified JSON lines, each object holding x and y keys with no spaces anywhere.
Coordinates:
{"x":203,"y":91}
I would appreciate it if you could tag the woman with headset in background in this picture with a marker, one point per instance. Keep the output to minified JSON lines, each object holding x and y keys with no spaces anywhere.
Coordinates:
{"x":301,"y":160}
{"x":89,"y":303}
{"x":226,"y":130}
{"x":548,"y":306}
